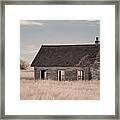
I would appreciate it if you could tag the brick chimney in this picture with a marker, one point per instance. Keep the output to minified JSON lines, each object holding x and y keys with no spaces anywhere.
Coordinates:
{"x":97,"y":40}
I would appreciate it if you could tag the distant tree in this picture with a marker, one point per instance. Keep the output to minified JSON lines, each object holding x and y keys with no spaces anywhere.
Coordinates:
{"x":23,"y":64}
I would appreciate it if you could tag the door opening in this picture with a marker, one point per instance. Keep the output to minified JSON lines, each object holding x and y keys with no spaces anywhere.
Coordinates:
{"x":43,"y":74}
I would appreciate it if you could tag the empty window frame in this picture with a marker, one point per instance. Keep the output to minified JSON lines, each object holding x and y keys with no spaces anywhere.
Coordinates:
{"x":61,"y":75}
{"x":80,"y":75}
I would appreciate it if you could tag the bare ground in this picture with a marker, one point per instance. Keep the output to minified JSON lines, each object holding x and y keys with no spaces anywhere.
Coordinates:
{"x":31,"y":89}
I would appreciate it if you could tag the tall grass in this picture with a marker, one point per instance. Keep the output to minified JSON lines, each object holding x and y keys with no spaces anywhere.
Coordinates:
{"x":31,"y":89}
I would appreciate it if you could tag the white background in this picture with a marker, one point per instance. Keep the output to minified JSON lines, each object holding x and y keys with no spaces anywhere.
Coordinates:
{"x":104,"y":13}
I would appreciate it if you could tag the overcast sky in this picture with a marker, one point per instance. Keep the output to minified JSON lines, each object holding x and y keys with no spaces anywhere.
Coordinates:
{"x":34,"y":33}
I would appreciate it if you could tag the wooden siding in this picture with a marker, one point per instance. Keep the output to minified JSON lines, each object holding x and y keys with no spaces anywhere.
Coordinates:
{"x":70,"y":72}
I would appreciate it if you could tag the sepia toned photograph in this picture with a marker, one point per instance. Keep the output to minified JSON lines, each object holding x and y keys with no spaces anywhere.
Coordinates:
{"x":58,"y":55}
{"x":60,"y":60}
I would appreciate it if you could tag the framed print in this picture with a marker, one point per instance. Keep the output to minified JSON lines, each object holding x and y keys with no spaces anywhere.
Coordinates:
{"x":60,"y":60}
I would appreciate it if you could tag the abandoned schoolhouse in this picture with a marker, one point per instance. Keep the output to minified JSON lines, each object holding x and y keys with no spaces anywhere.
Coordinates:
{"x":68,"y":62}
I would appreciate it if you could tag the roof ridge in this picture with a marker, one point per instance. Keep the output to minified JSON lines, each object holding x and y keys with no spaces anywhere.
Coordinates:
{"x":68,"y":45}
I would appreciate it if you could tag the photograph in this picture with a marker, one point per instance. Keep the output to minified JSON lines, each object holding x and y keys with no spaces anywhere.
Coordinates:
{"x":60,"y":59}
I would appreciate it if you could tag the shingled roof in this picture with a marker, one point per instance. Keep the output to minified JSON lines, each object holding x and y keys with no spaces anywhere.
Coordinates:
{"x":66,"y":55}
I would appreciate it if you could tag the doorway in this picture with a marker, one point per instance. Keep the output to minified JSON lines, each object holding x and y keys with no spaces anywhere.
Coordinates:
{"x":43,"y":74}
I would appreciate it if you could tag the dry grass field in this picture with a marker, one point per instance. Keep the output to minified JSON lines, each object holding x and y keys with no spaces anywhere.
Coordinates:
{"x":54,"y":90}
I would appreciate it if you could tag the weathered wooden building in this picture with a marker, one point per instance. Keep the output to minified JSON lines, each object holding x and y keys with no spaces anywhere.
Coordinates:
{"x":68,"y":62}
